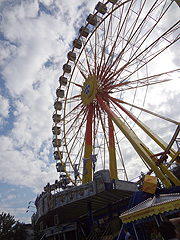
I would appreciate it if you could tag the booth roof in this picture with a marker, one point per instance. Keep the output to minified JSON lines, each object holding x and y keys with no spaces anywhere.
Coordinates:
{"x":152,"y":206}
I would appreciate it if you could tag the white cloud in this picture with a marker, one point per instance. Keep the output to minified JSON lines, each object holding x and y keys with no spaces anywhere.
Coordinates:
{"x":46,"y":3}
{"x":31,"y":40}
{"x":7,"y":52}
{"x":4,"y":107}
{"x":4,"y":110}
{"x":23,"y":166}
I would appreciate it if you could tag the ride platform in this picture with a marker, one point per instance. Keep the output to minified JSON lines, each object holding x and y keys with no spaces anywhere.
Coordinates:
{"x":88,"y":202}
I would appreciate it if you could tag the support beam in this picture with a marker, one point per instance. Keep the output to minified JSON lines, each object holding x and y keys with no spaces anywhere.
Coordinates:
{"x":87,"y":177}
{"x":112,"y":152}
{"x":90,"y":215}
{"x":138,"y":145}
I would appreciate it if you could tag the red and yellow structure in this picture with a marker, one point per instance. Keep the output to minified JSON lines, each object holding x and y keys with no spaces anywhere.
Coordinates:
{"x":94,"y":97}
{"x":105,"y":81}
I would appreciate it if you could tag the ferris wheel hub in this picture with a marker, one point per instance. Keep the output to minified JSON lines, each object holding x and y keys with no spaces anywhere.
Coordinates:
{"x":89,"y":90}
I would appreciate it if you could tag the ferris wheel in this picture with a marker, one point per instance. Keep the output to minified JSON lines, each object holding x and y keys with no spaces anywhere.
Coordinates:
{"x":101,"y":120}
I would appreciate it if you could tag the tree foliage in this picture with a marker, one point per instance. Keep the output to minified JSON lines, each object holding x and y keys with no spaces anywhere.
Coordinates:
{"x":10,"y":229}
{"x":6,"y":225}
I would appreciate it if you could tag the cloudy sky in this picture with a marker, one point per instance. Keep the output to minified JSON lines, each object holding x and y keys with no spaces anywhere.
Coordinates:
{"x":35,"y":36}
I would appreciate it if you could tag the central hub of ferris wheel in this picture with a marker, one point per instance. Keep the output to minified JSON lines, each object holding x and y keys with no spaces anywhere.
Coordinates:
{"x":89,"y":90}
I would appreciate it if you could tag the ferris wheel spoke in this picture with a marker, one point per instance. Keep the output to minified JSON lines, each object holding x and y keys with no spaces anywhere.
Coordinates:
{"x":150,"y":80}
{"x":74,"y":137}
{"x":103,"y":126}
{"x":69,"y":114}
{"x":145,"y":35}
{"x":134,"y":34}
{"x":128,"y":85}
{"x":109,"y":14}
{"x":121,"y":157}
{"x":129,"y":39}
{"x":84,"y":72}
{"x":147,"y":50}
{"x":157,"y":42}
{"x":72,"y":142}
{"x":105,"y":136}
{"x":154,"y":45}
{"x":111,"y":53}
{"x":95,"y":53}
{"x":123,"y":68}
{"x":146,"y":129}
{"x":124,"y":23}
{"x":156,"y":76}
{"x":87,"y":59}
{"x":75,"y":118}
{"x":80,"y":154}
{"x":72,"y":99}
{"x":145,"y":110}
{"x":92,"y":51}
{"x":104,"y":44}
{"x":106,"y":36}
{"x":140,"y":147}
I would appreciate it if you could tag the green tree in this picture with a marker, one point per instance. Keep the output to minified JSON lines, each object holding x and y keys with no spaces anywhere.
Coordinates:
{"x":6,"y":226}
{"x":10,"y":229}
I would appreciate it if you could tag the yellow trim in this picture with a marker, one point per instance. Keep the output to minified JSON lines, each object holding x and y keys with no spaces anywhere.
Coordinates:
{"x":147,"y":212}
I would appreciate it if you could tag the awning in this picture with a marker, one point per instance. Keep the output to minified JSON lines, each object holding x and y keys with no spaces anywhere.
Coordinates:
{"x":152,"y":206}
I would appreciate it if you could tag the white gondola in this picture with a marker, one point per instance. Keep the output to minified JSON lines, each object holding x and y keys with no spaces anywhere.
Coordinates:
{"x":56,"y":155}
{"x":63,"y":80}
{"x":56,"y":118}
{"x":58,"y":105}
{"x":59,"y":167}
{"x":77,"y":43}
{"x":92,"y":19}
{"x":54,"y":142}
{"x":66,"y":68}
{"x":54,"y":129}
{"x":71,"y":56}
{"x":100,"y":7}
{"x":61,"y":93}
{"x":84,"y":32}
